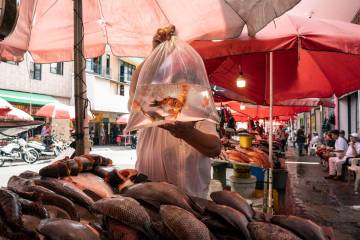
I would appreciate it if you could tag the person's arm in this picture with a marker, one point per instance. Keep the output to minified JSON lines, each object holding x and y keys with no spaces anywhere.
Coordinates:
{"x":207,"y":144}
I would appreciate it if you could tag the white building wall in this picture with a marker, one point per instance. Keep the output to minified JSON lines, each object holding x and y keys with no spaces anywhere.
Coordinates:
{"x":103,"y":98}
{"x":17,"y":78}
{"x":343,"y":115}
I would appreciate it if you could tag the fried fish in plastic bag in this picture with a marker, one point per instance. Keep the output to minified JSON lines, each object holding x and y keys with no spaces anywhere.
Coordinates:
{"x":172,"y":86}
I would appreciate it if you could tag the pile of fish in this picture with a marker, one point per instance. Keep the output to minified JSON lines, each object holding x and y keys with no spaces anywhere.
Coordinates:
{"x":253,"y":156}
{"x":91,"y":206}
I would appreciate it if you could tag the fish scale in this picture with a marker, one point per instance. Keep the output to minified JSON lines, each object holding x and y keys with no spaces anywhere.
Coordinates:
{"x":268,"y":231}
{"x":183,"y":224}
{"x":125,"y":210}
{"x":159,"y":193}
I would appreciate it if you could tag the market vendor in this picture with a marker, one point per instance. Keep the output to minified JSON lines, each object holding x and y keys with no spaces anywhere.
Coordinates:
{"x":177,"y":153}
{"x":336,"y":163}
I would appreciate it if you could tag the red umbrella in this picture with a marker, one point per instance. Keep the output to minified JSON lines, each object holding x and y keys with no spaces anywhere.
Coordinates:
{"x":128,"y":26}
{"x":311,"y":70}
{"x":17,"y":114}
{"x":260,"y":112}
{"x":55,"y":110}
{"x":5,"y":107}
{"x":123,"y":119}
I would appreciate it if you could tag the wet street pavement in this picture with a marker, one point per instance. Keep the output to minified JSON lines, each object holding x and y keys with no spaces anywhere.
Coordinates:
{"x":327,"y":202}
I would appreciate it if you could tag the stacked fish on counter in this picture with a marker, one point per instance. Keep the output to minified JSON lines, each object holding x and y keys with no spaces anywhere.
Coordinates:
{"x":84,"y":198}
{"x":252,"y":156}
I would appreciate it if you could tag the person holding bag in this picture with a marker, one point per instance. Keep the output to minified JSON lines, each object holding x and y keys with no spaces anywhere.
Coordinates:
{"x":179,"y":152}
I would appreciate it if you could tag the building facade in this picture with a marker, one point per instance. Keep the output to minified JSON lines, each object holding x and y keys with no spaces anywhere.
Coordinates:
{"x":108,"y":82}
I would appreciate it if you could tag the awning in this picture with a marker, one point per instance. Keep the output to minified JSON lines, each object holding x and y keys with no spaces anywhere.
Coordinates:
{"x":24,"y":97}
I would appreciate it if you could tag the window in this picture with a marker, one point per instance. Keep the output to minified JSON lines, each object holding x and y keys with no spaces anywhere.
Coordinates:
{"x":107,"y":65}
{"x":35,"y":71}
{"x":122,"y":90}
{"x":126,"y":71}
{"x":94,"y":65}
{"x":57,"y":68}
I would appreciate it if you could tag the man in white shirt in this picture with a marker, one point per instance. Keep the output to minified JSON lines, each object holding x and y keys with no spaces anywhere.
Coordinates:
{"x":335,"y":163}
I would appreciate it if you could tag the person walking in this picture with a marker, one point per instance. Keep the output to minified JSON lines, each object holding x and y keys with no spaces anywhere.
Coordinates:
{"x":300,"y":140}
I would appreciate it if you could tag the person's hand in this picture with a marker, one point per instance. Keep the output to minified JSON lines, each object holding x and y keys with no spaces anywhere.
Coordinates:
{"x":163,"y":34}
{"x":181,"y":130}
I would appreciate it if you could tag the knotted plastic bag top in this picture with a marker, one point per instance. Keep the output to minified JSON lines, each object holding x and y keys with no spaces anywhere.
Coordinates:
{"x":172,"y":86}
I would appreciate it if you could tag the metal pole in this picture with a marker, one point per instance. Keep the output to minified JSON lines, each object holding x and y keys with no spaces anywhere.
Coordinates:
{"x":269,"y":210}
{"x":81,"y":118}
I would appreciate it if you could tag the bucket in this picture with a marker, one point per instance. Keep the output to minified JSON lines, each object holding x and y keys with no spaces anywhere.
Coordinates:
{"x":241,"y":171}
{"x":244,"y":186}
{"x":245,"y":141}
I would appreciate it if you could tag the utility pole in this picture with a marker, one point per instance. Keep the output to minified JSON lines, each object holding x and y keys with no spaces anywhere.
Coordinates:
{"x":81,"y":102}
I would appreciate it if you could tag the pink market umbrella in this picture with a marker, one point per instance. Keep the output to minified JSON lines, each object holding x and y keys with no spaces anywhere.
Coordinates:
{"x":45,"y":28}
{"x":5,"y":107}
{"x":54,"y":110}
{"x":312,"y":58}
{"x":17,"y":114}
{"x":123,"y":119}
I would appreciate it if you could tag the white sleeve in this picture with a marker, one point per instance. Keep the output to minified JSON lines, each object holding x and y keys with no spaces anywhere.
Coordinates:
{"x":357,"y":148}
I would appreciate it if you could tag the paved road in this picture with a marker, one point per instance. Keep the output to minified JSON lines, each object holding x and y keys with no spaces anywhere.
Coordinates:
{"x":327,"y":202}
{"x":122,"y":158}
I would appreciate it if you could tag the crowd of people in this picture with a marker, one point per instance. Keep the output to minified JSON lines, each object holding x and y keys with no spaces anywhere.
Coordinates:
{"x":332,"y":148}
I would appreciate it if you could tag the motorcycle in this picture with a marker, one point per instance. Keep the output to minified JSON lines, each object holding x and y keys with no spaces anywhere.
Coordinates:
{"x":49,"y":147}
{"x":17,"y":149}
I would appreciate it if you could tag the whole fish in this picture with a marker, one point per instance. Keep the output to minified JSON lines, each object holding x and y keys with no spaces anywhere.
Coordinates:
{"x":33,"y":208}
{"x":46,"y":196}
{"x":10,"y":208}
{"x":232,"y":216}
{"x":304,"y":228}
{"x":183,"y":224}
{"x":29,"y":174}
{"x":67,"y":190}
{"x":159,"y":193}
{"x":91,"y":184}
{"x":61,"y":229}
{"x":7,"y":233}
{"x":98,"y":159}
{"x":234,"y":200}
{"x":268,"y":231}
{"x":127,"y":211}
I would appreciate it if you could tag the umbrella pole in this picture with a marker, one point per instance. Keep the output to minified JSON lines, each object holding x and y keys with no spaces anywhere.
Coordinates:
{"x":81,"y":118}
{"x":269,"y":198}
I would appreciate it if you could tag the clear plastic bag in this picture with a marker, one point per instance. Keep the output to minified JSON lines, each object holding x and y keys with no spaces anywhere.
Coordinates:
{"x":172,"y":86}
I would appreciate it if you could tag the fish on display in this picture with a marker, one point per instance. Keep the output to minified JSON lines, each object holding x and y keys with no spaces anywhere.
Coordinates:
{"x":234,"y":200}
{"x":268,"y":231}
{"x":183,"y":224}
{"x":159,"y":193}
{"x":33,"y":208}
{"x":29,"y":174}
{"x":48,"y":197}
{"x":127,"y":211}
{"x":304,"y":228}
{"x":10,"y":210}
{"x":234,"y":217}
{"x":67,"y":190}
{"x":61,"y":229}
{"x":92,"y":185}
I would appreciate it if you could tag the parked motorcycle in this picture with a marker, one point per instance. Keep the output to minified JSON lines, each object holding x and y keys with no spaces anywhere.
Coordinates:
{"x":17,"y":149}
{"x":49,"y":147}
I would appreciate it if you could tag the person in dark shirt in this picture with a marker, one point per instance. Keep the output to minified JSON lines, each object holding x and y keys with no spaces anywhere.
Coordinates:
{"x":300,"y":140}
